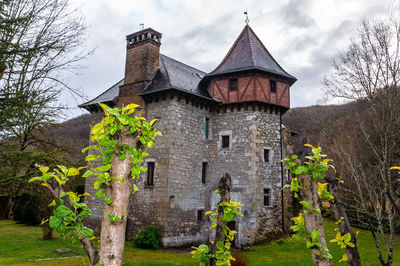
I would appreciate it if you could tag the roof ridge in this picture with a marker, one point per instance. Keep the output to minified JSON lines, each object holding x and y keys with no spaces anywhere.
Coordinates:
{"x":231,"y":49}
{"x":166,"y":71}
{"x":265,"y":48}
{"x":182,"y":63}
{"x":251,"y":46}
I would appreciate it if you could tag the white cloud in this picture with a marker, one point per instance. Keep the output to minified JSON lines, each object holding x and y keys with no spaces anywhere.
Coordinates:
{"x":303,"y":36}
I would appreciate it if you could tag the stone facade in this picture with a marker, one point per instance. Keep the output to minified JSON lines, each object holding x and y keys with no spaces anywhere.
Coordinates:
{"x":208,"y":130}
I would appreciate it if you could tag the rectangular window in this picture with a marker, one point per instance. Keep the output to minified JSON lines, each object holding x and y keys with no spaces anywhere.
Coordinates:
{"x":206,"y":126}
{"x":267,"y":197}
{"x":204,"y":172}
{"x":272,"y":84}
{"x":233,"y":84}
{"x":200,"y":214}
{"x":150,"y":173}
{"x":225,"y":141}
{"x":266,"y":155}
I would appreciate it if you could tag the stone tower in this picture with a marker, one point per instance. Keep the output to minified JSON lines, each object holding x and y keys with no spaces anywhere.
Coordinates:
{"x":226,"y":121}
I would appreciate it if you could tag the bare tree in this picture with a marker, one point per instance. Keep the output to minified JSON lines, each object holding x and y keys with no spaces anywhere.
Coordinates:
{"x":365,"y":145}
{"x":39,"y":41}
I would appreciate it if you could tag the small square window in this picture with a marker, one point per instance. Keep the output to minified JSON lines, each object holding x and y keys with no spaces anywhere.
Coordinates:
{"x":272,"y":84}
{"x":225,"y":141}
{"x":233,"y":84}
{"x":267,"y":197}
{"x":204,"y":172}
{"x":266,"y":155}
{"x":150,"y":174}
{"x":200,"y":215}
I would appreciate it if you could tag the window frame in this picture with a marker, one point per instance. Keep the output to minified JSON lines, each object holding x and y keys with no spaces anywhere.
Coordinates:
{"x":228,"y":137}
{"x":267,"y":159}
{"x":148,"y":179}
{"x":267,"y":194}
{"x":207,"y":128}
{"x":204,"y":169}
{"x":233,"y":84}
{"x":200,"y":215}
{"x":273,"y":85}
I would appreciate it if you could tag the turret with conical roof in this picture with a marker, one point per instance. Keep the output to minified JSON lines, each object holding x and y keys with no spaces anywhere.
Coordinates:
{"x":249,"y":73}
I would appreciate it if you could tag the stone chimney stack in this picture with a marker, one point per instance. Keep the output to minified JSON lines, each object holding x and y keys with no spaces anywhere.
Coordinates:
{"x":142,"y":56}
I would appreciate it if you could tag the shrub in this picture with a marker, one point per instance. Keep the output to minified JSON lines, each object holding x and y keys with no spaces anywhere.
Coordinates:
{"x":31,"y":211}
{"x":149,"y":237}
{"x":19,"y":206}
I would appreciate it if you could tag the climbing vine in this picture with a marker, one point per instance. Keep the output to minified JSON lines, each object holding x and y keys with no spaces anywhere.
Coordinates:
{"x":222,"y":255}
{"x":106,"y":144}
{"x":315,"y":166}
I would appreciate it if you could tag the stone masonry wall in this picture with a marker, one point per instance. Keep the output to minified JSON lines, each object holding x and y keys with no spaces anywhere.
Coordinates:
{"x":250,"y":133}
{"x":178,"y":192}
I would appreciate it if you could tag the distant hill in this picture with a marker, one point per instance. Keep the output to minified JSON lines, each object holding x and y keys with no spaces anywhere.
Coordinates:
{"x":74,"y":135}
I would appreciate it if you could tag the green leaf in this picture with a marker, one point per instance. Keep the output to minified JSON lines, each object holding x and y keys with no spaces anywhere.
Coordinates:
{"x":85,"y":213}
{"x":97,"y":184}
{"x":105,"y":167}
{"x":314,"y":235}
{"x":134,"y":189}
{"x":220,"y":245}
{"x":122,"y":156}
{"x":89,"y":148}
{"x":58,"y":202}
{"x":62,"y":211}
{"x":100,"y":193}
{"x":87,"y":232}
{"x":306,"y":204}
{"x":87,"y":173}
{"x":74,"y":239}
{"x":92,"y":157}
{"x":54,"y":221}
{"x":113,"y":218}
{"x":73,"y":172}
{"x":108,"y":201}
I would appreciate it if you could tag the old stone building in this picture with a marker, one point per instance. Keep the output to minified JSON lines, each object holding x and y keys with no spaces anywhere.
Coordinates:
{"x":226,"y":121}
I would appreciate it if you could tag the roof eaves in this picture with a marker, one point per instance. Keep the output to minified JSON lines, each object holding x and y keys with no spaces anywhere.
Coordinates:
{"x":181,"y":90}
{"x":88,"y":102}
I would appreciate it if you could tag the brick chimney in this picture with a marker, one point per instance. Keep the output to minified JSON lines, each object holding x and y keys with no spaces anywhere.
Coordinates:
{"x":142,"y":56}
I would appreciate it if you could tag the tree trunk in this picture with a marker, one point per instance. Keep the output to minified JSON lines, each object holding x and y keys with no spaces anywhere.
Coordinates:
{"x":11,"y":202}
{"x":313,"y":219}
{"x":224,"y":187}
{"x":112,"y":239}
{"x":47,"y":232}
{"x":338,"y":212}
{"x":87,"y":243}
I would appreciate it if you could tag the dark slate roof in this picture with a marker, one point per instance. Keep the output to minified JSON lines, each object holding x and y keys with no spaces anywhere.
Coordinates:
{"x":170,"y":75}
{"x":109,"y":95}
{"x":175,"y":75}
{"x":248,"y":53}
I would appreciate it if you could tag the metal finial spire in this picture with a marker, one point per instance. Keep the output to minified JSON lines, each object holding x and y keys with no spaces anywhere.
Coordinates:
{"x":141,"y":26}
{"x":247,"y":18}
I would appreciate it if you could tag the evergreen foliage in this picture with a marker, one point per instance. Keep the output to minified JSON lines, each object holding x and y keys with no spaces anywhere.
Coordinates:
{"x":149,"y":237}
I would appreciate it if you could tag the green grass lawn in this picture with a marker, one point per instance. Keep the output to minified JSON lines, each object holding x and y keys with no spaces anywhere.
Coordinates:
{"x":21,"y":245}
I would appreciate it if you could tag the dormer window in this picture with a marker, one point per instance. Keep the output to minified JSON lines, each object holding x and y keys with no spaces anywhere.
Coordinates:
{"x":272,"y":84}
{"x":233,"y":84}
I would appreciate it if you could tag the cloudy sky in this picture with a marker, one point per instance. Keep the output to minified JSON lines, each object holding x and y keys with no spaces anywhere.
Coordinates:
{"x":303,"y":36}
